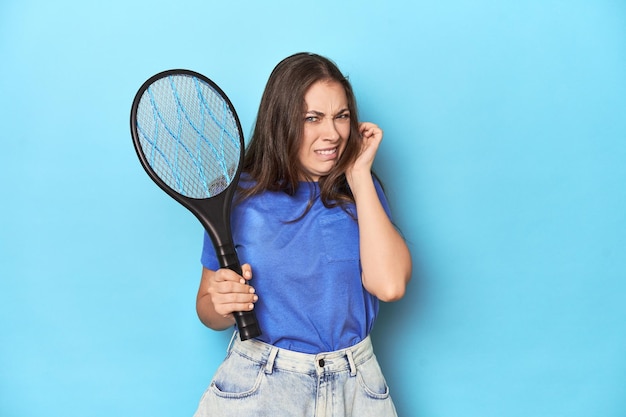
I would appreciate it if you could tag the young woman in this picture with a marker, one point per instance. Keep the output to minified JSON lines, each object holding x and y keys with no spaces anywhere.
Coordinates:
{"x":312,"y":226}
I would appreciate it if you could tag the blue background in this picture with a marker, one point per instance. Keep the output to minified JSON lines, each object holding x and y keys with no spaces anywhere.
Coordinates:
{"x":504,"y":159}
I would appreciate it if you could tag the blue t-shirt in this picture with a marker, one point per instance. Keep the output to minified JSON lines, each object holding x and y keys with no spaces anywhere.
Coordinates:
{"x":307,"y":273}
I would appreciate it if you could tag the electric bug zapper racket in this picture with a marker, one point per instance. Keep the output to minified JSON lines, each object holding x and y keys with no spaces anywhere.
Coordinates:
{"x":189,"y":140}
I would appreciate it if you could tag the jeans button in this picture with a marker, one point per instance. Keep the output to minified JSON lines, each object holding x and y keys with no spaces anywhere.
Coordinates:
{"x":321,"y":363}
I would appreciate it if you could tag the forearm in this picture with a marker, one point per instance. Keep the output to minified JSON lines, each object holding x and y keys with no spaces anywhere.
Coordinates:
{"x":385,"y":257}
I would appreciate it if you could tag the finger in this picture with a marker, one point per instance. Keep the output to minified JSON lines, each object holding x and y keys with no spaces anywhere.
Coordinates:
{"x":231,"y":287}
{"x":373,"y":134}
{"x":367,"y":127}
{"x":246,"y":271}
{"x":225,"y":274}
{"x":228,"y":309}
{"x":230,"y":303}
{"x":235,"y":298}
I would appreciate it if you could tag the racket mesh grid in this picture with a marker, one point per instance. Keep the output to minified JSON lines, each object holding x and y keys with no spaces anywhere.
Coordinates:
{"x":189,"y":135}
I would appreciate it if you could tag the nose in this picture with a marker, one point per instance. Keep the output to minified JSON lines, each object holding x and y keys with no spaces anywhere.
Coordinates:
{"x":330,"y":130}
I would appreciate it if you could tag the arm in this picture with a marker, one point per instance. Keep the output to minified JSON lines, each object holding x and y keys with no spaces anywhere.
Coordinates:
{"x":385,"y":257}
{"x":221,"y":293}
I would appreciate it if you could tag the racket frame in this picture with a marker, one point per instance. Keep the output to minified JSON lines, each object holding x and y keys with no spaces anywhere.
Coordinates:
{"x":212,"y":212}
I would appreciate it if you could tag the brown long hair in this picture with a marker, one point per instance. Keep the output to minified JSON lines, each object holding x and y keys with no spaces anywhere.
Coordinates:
{"x":271,"y":158}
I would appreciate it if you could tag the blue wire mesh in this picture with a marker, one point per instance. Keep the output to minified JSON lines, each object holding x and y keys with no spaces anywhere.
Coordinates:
{"x":189,"y":135}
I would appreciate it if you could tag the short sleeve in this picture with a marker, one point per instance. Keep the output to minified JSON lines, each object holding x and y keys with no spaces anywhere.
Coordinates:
{"x":209,"y":258}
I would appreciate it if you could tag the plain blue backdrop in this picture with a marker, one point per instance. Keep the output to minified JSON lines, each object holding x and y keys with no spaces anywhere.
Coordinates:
{"x":504,"y":159}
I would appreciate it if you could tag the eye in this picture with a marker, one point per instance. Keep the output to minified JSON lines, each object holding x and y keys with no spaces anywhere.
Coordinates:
{"x":311,"y":119}
{"x":344,"y":116}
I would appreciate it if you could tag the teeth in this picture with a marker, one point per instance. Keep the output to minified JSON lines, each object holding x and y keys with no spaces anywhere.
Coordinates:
{"x":327,"y":151}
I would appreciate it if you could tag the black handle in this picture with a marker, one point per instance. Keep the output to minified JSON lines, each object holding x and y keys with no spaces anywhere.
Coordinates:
{"x":246,"y":320}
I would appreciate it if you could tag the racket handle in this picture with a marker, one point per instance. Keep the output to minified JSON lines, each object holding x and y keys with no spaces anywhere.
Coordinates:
{"x":247,"y":323}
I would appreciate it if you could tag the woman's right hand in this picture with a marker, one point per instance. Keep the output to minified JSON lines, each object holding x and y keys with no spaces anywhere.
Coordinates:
{"x":223,"y":292}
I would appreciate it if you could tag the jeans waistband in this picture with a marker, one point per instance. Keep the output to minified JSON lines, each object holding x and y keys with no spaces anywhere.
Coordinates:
{"x":325,"y":362}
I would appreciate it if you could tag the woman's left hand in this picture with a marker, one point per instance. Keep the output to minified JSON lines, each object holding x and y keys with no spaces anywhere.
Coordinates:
{"x":371,"y":136}
{"x":385,"y":257}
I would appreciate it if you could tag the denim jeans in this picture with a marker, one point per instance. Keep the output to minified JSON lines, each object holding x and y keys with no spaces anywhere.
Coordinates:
{"x":257,"y":379}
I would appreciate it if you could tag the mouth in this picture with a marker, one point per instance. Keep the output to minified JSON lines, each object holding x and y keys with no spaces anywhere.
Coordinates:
{"x":327,"y":152}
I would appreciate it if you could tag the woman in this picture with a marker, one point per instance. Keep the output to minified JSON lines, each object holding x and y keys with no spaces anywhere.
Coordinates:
{"x":311,"y":225}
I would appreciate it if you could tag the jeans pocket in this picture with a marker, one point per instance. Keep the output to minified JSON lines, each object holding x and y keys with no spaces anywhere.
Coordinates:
{"x":371,"y":380}
{"x":237,"y":377}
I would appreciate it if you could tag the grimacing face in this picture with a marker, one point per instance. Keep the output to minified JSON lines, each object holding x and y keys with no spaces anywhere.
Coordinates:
{"x":326,"y":128}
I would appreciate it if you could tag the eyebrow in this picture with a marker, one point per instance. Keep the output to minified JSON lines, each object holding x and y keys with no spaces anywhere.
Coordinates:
{"x":319,"y":113}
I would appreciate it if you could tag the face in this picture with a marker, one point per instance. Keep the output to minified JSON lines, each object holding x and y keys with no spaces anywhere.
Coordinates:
{"x":326,"y":128}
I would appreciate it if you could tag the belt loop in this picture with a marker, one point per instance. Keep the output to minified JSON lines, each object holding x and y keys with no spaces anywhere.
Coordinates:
{"x":269,"y":366}
{"x":351,"y":362}
{"x":232,"y":340}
